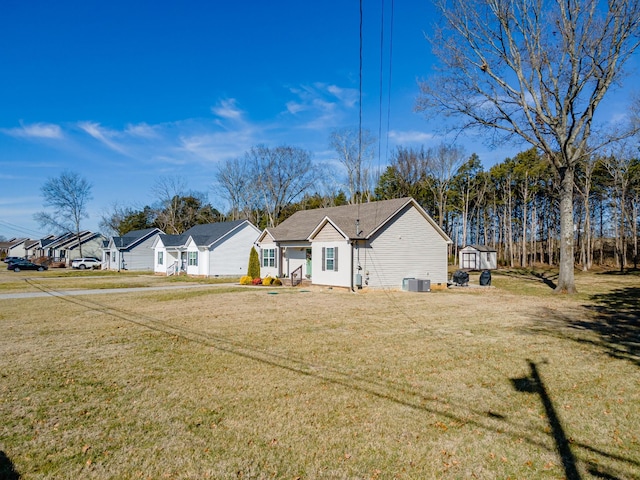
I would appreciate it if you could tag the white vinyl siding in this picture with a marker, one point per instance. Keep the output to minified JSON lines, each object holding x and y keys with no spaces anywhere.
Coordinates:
{"x":230,"y":257}
{"x":408,"y":246}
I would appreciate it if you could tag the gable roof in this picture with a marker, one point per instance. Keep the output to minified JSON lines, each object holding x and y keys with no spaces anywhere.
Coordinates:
{"x":481,"y":248}
{"x":204,"y":235}
{"x":208,"y":234}
{"x":368,"y":218}
{"x":134,"y":237}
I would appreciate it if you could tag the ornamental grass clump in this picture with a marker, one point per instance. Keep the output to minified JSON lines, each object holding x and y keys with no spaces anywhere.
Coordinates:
{"x":246,"y":280}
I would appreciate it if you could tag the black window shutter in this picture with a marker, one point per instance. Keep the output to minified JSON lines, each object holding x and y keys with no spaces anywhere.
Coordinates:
{"x":323,"y":258}
{"x":276,"y":255}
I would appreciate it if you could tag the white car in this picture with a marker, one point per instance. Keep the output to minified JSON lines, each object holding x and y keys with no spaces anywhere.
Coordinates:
{"x":83,"y":263}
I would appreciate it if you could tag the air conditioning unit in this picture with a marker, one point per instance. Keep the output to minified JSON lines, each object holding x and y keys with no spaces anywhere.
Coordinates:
{"x":419,"y":285}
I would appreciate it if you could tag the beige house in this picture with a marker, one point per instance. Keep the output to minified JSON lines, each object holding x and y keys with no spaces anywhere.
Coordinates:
{"x":376,"y":245}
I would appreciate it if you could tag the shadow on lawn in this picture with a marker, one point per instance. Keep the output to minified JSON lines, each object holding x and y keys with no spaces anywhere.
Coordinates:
{"x":534,"y":384}
{"x":544,"y":277}
{"x":7,"y":471}
{"x":384,"y":389}
{"x":616,"y":322}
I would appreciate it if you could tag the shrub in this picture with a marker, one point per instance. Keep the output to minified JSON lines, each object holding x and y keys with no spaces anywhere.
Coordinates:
{"x":253,"y":270}
{"x":257,"y":281}
{"x":277,"y":281}
{"x":246,"y":280}
{"x":267,"y":281}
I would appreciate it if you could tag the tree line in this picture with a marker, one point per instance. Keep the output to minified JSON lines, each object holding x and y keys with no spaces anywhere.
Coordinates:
{"x":513,"y":206}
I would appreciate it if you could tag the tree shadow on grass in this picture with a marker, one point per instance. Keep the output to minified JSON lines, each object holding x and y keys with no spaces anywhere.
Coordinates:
{"x":545,"y":277}
{"x":616,"y":322}
{"x":7,"y":471}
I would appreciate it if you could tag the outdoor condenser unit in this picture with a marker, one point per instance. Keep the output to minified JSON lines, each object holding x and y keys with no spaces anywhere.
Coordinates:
{"x":419,"y":285}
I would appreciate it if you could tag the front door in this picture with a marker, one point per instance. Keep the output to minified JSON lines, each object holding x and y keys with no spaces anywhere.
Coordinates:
{"x":308,"y":269}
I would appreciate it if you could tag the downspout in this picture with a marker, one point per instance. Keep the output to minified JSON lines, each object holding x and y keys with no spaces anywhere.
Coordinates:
{"x":353,"y":289}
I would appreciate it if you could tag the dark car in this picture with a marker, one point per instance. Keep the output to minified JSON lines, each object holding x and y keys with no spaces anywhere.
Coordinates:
{"x":25,"y":265}
{"x":13,"y":259}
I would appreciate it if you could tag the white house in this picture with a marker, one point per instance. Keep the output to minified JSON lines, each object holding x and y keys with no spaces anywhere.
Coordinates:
{"x":376,"y":244}
{"x":478,"y":257}
{"x":132,"y":251}
{"x":210,"y":250}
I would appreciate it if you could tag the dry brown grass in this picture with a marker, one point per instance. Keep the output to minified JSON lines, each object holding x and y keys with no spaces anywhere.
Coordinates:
{"x":245,"y":383}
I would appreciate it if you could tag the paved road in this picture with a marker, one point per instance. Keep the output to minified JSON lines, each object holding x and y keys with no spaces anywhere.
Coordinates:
{"x":103,"y":291}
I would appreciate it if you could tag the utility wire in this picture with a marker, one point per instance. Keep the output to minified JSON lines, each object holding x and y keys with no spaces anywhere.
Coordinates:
{"x":389,"y":81}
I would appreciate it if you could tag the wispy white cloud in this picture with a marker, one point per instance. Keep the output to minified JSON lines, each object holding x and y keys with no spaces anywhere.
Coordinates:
{"x":141,"y":130}
{"x":103,"y":135}
{"x":228,"y":109}
{"x":411,"y":137}
{"x":35,"y":130}
{"x":321,"y":104}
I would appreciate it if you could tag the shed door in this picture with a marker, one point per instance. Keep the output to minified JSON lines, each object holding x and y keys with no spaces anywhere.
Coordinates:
{"x":468,"y":260}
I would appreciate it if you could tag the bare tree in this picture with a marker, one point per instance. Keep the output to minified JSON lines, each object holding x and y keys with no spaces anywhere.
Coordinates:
{"x":67,"y":195}
{"x":168,"y":191}
{"x":281,"y":175}
{"x":442,"y":165}
{"x":536,"y":71}
{"x":234,"y":178}
{"x":355,"y":152}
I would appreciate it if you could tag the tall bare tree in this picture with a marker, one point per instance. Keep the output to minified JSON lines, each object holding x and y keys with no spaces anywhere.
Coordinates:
{"x":67,"y":195}
{"x":355,"y":152}
{"x":281,"y":176}
{"x":234,"y":178}
{"x":536,"y":70}
{"x":442,"y":165}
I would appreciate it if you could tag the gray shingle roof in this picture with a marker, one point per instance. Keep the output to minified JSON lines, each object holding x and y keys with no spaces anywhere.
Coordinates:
{"x":370,"y":216}
{"x":209,"y":233}
{"x":203,"y":235}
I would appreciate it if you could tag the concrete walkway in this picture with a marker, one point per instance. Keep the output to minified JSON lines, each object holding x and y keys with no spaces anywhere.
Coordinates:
{"x":105,"y":291}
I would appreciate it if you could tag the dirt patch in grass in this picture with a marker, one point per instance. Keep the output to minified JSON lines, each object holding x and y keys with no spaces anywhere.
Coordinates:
{"x":465,"y":383}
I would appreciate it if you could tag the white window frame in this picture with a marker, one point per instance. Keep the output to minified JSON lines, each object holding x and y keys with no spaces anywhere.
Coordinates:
{"x":192,"y":259}
{"x":268,"y":257}
{"x":330,"y":259}
{"x":160,"y":258}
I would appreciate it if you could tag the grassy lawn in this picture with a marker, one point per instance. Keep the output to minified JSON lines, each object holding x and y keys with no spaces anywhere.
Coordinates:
{"x":234,"y":382}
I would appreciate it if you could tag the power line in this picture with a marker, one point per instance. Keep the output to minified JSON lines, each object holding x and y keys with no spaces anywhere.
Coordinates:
{"x":19,"y":230}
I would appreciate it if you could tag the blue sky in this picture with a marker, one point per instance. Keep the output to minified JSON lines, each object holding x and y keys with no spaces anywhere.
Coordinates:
{"x":124,"y":93}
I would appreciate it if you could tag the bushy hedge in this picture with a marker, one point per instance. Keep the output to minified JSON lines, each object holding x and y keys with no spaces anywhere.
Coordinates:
{"x":246,"y":280}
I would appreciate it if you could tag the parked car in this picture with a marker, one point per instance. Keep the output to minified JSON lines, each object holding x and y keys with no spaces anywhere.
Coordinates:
{"x":26,"y":265}
{"x":87,"y":262}
{"x":12,"y":259}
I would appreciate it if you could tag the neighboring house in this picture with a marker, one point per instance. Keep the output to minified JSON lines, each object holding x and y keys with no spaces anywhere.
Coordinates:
{"x":132,"y":251}
{"x":64,"y":248}
{"x":478,"y":257}
{"x":13,"y":247}
{"x":31,"y":248}
{"x":375,"y":244}
{"x":210,"y":250}
{"x":91,"y":246}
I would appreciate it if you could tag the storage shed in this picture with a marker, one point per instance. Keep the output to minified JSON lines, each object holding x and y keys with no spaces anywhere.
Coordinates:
{"x":478,"y":257}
